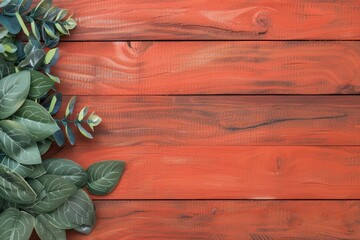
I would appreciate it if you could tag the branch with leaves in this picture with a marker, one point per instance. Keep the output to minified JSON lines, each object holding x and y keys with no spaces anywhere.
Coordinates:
{"x":35,"y":193}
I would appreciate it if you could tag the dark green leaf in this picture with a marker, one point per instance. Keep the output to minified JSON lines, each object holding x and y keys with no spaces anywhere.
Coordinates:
{"x":58,"y":190}
{"x":46,"y":231}
{"x":70,"y":134}
{"x":14,"y":188}
{"x":17,"y":143}
{"x":38,"y":170}
{"x":34,"y":60}
{"x":104,"y":176}
{"x":36,"y":119}
{"x":11,"y":23}
{"x":77,"y":211}
{"x":42,"y":8}
{"x":16,"y":225}
{"x":4,"y":3}
{"x":5,"y":68}
{"x":59,"y":138}
{"x":40,"y":84}
{"x":67,"y":169}
{"x":83,"y":131}
{"x":70,"y":107}
{"x":14,"y":90}
{"x":22,"y":170}
{"x":44,"y":146}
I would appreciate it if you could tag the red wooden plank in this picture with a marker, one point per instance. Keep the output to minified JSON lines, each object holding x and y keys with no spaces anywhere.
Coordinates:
{"x":207,"y":19}
{"x":144,"y":68}
{"x":225,"y":120}
{"x":263,"y":172}
{"x":254,"y":220}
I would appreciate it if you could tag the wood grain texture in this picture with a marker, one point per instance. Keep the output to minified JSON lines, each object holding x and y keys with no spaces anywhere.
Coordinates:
{"x":163,"y":68}
{"x":260,"y":172}
{"x":208,"y":20}
{"x":225,"y":120}
{"x":233,"y":220}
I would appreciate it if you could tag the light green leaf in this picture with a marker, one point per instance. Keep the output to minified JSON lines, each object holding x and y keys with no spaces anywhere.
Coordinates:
{"x":70,"y":107}
{"x":16,"y":225}
{"x":104,"y":176}
{"x":67,"y":169}
{"x":82,"y":114}
{"x":70,"y":24}
{"x":83,"y":131}
{"x":51,"y":54}
{"x":42,"y":7}
{"x":46,"y":231}
{"x":22,"y":24}
{"x":58,"y":190}
{"x":14,"y":90}
{"x":17,"y":142}
{"x":40,"y":84}
{"x":77,"y":211}
{"x":36,"y":119}
{"x":93,"y":120}
{"x":14,"y":188}
{"x":61,"y":14}
{"x":35,"y":29}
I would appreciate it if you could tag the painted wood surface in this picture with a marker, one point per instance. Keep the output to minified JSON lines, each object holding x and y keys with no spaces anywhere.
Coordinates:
{"x":240,"y":67}
{"x":259,"y":172}
{"x":253,"y":220}
{"x":209,"y":20}
{"x":225,"y":120}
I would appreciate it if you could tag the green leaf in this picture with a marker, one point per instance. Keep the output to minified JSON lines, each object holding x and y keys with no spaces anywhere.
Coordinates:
{"x":77,"y":211}
{"x":52,"y":54}
{"x":14,"y":188}
{"x":22,"y":170}
{"x":93,"y":121}
{"x":61,"y":14}
{"x":83,"y":131}
{"x":17,"y":142}
{"x":14,"y":90}
{"x":58,"y":190}
{"x":70,"y":24}
{"x":22,"y":24}
{"x":16,"y":225}
{"x":42,"y":8}
{"x":34,"y":60}
{"x":3,"y":32}
{"x":104,"y":176}
{"x":50,"y":30}
{"x":82,"y":114}
{"x":36,"y":119}
{"x":38,"y":170}
{"x":35,"y":29}
{"x":44,"y":146}
{"x":5,"y":68}
{"x":67,"y":169}
{"x":70,"y":134}
{"x":11,"y":23}
{"x":70,"y":107}
{"x":4,"y":3}
{"x":62,"y":29}
{"x":46,"y":231}
{"x":40,"y":84}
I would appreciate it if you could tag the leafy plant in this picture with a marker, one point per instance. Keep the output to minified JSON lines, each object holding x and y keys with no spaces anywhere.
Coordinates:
{"x":45,"y":195}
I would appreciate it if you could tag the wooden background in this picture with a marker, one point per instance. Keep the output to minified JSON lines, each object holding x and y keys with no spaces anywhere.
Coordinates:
{"x":232,"y":123}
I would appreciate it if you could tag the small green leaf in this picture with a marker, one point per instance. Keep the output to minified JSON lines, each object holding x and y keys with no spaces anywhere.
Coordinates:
{"x":14,"y":188}
{"x":16,"y":225}
{"x":104,"y":176}
{"x":42,"y":7}
{"x":14,"y":91}
{"x":61,"y":14}
{"x":82,"y":114}
{"x":83,"y":131}
{"x":34,"y":60}
{"x":58,"y":190}
{"x":36,"y":119}
{"x":17,"y":142}
{"x":70,"y":107}
{"x":67,"y":169}
{"x":93,"y":121}
{"x":70,"y":134}
{"x":35,"y":29}
{"x":22,"y":24}
{"x":53,"y":53}
{"x":47,"y":231}
{"x":70,"y":24}
{"x":11,"y":23}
